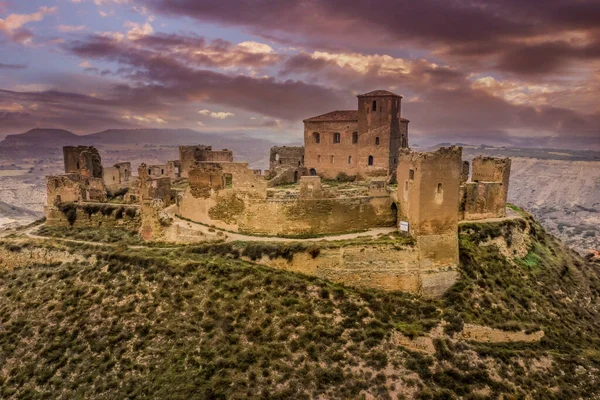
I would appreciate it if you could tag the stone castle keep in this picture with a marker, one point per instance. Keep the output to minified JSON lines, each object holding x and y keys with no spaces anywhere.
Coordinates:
{"x":355,"y":174}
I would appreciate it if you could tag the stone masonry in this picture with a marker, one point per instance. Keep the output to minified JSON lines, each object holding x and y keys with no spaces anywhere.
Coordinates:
{"x":361,"y":142}
{"x":84,"y":160}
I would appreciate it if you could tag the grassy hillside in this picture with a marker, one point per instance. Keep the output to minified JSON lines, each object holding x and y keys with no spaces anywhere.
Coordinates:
{"x":199,"y":322}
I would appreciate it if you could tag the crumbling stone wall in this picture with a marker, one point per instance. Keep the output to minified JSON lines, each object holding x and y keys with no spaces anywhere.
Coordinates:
{"x":117,"y":176}
{"x":244,"y":207}
{"x":93,"y":215}
{"x":205,"y":178}
{"x":173,"y":169}
{"x":155,"y":222}
{"x":311,"y":187}
{"x":284,"y":175}
{"x":84,"y":160}
{"x":428,"y":192}
{"x":486,"y":195}
{"x":464,"y":177}
{"x":492,"y":169}
{"x":74,"y":188}
{"x":188,"y":155}
{"x":111,"y":176}
{"x":153,"y":188}
{"x":482,"y":200}
{"x":287,"y":156}
{"x":380,"y":266}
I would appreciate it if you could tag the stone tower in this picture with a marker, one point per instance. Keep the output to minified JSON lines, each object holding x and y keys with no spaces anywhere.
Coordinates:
{"x":379,"y":124}
{"x":428,"y":193}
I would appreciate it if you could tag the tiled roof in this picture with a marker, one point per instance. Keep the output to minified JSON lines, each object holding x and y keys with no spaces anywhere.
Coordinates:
{"x":378,"y":93}
{"x":337,"y":115}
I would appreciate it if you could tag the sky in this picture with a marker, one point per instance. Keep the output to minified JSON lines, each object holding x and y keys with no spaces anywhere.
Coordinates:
{"x":502,"y":72}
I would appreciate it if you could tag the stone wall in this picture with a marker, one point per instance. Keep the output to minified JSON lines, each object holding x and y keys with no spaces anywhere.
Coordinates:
{"x":286,"y":156}
{"x":157,"y":170}
{"x":491,"y":169}
{"x":117,"y":176}
{"x":380,"y":266}
{"x":111,"y":176}
{"x":93,"y":215}
{"x":149,"y":188}
{"x":173,"y":169}
{"x":328,"y":159}
{"x":188,"y":155}
{"x":74,"y":188}
{"x":84,"y":160}
{"x":482,"y":200}
{"x":245,"y":208}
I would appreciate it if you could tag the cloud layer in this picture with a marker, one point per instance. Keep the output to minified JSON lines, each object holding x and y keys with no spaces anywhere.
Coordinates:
{"x":495,"y":71}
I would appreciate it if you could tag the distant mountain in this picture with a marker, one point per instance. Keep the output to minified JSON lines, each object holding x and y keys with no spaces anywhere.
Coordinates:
{"x":41,"y":137}
{"x":48,"y":142}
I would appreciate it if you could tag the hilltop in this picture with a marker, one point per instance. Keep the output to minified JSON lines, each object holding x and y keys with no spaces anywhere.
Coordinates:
{"x":205,"y":321}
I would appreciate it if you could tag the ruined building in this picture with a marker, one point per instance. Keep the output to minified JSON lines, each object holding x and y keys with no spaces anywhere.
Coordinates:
{"x":84,"y":160}
{"x":433,"y":194}
{"x":361,"y":142}
{"x":117,"y":175}
{"x":486,"y":195}
{"x":188,"y":155}
{"x":286,"y":165}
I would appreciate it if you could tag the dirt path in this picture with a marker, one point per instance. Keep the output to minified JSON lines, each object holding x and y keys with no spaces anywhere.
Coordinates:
{"x":232,"y":236}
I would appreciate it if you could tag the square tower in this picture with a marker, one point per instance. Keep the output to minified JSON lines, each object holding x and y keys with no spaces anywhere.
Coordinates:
{"x":428,"y":193}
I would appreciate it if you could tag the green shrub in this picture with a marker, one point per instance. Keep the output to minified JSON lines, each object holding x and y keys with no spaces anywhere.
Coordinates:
{"x":70,"y":212}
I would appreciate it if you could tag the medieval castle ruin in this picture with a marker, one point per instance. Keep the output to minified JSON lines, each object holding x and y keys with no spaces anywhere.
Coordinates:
{"x":355,"y":173}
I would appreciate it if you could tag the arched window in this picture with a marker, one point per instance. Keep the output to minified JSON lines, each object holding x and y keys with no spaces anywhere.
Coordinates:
{"x":149,"y":171}
{"x":377,"y":141}
{"x":354,"y":137}
{"x":439,"y":194}
{"x":406,"y":186}
{"x":370,"y":160}
{"x":162,"y":171}
{"x":316,"y":137}
{"x":336,"y":137}
{"x":312,"y":172}
{"x":374,"y":105}
{"x":331,"y":159}
{"x":349,"y":159}
{"x":318,"y":159}
{"x":276,"y":156}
